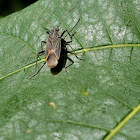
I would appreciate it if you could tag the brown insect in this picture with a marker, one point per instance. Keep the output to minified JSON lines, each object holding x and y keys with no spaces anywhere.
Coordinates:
{"x":53,"y":48}
{"x":54,"y":44}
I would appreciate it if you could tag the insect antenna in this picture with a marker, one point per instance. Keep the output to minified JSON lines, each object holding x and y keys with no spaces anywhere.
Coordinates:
{"x":72,"y":29}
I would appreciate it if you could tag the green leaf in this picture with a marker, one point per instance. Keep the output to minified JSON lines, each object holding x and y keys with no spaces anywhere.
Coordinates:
{"x":99,"y":98}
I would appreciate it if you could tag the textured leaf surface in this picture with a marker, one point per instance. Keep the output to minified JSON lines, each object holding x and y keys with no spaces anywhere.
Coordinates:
{"x":98,"y":98}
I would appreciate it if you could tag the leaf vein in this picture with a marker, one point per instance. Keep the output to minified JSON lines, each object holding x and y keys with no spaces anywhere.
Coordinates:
{"x":77,"y":51}
{"x":122,"y":123}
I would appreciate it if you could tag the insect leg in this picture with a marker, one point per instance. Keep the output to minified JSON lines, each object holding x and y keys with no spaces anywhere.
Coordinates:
{"x":72,"y":29}
{"x":67,"y":43}
{"x":47,"y":30}
{"x":68,"y":34}
{"x":37,"y":71}
{"x":66,"y":70}
{"x":72,"y":62}
{"x":73,"y":53}
{"x":39,"y":54}
{"x":42,"y":43}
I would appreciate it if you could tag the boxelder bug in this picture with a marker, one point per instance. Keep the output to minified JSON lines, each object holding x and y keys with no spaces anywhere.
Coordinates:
{"x":55,"y":51}
{"x":63,"y":59}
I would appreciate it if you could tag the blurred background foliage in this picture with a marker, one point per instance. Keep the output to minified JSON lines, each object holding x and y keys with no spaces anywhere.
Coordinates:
{"x":10,"y":6}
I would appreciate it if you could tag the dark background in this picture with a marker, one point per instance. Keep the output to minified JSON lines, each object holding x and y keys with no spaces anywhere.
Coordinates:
{"x":10,"y":6}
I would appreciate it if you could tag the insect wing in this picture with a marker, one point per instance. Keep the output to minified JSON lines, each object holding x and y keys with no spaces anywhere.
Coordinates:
{"x":48,"y":47}
{"x":62,"y":60}
{"x":57,"y":47}
{"x":53,"y":45}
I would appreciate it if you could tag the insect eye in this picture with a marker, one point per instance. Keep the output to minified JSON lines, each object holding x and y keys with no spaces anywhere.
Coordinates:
{"x":56,"y":29}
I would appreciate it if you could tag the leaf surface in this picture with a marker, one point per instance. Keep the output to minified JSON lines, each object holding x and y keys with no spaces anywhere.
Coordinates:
{"x":98,"y":99}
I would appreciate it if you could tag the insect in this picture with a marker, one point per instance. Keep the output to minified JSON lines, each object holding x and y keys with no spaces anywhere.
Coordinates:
{"x":63,"y":58}
{"x":56,"y":50}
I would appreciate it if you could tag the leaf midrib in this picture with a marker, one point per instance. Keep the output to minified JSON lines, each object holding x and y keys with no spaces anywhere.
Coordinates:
{"x":123,"y":122}
{"x":77,"y":51}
